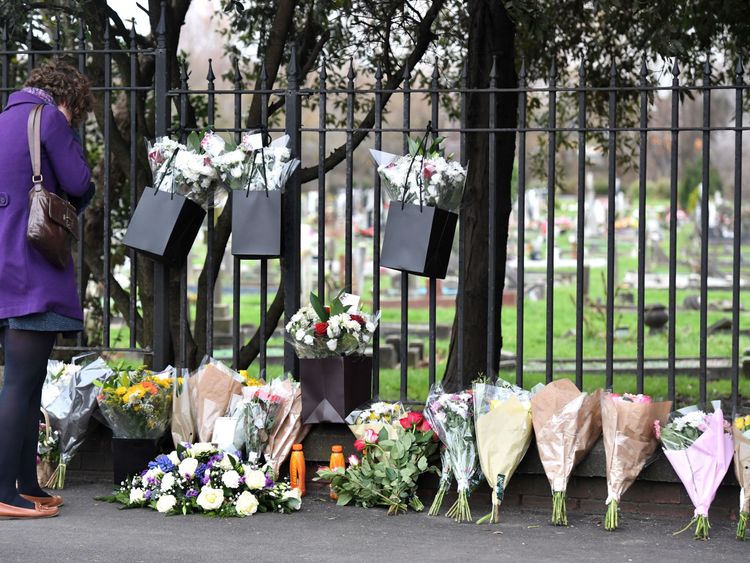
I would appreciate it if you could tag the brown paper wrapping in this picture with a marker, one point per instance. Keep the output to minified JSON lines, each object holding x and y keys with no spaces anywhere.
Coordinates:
{"x":629,"y":440}
{"x":742,"y":467}
{"x":566,"y":422}
{"x":211,"y":391}
{"x":183,"y":429}
{"x":287,"y":431}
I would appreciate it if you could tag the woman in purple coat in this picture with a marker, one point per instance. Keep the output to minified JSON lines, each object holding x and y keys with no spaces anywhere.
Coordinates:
{"x":37,"y":300}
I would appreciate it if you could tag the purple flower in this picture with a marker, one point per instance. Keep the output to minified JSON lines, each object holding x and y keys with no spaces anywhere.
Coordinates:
{"x":269,"y":482}
{"x":148,"y":494}
{"x":191,"y":493}
{"x":201,"y":471}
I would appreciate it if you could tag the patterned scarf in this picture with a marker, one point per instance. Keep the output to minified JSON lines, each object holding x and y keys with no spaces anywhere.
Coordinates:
{"x":43,"y":95}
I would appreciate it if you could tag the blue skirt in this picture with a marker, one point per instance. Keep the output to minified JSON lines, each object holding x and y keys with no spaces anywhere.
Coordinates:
{"x":44,"y":322}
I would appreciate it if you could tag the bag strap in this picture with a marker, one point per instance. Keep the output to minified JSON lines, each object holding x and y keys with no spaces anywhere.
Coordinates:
{"x":33,"y":132}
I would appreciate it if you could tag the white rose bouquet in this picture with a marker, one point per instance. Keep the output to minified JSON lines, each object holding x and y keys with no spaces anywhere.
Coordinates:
{"x":316,"y":331}
{"x":422,"y":177}
{"x":199,"y":478}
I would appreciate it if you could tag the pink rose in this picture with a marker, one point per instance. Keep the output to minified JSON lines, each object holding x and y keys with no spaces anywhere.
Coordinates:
{"x":371,"y":437}
{"x":428,"y":170}
{"x":353,"y":460}
{"x":359,"y":445}
{"x":657,"y":429}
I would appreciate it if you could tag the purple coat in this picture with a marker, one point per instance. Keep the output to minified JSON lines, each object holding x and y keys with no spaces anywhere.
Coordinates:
{"x":28,"y":283}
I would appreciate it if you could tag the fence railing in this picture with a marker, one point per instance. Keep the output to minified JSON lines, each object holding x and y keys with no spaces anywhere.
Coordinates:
{"x":362,"y":129}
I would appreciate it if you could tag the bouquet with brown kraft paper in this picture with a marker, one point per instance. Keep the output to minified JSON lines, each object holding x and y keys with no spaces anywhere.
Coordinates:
{"x":629,"y":441}
{"x":567,"y":422}
{"x":211,"y":391}
{"x":288,"y":429}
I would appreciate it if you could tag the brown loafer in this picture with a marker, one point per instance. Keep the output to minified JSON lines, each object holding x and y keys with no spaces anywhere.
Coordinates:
{"x":10,"y":512}
{"x":52,"y":501}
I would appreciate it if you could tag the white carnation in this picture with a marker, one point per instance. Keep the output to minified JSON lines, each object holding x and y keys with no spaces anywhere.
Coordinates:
{"x":231,"y":479}
{"x":332,"y":344}
{"x":137,"y":495}
{"x":167,"y":483}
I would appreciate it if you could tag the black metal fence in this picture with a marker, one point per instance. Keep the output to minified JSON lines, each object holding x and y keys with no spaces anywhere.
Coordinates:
{"x":291,"y":103}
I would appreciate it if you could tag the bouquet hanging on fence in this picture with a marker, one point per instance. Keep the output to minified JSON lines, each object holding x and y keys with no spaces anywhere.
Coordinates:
{"x":137,"y":403}
{"x":340,"y":329}
{"x":69,"y":397}
{"x":451,"y":415}
{"x":187,"y":169}
{"x":629,"y":441}
{"x":567,"y":423}
{"x":502,"y":417}
{"x":270,"y":166}
{"x":699,"y":447}
{"x":741,"y":433}
{"x":424,"y":176}
{"x":201,"y":479}
{"x":387,"y":473}
{"x":377,"y":416}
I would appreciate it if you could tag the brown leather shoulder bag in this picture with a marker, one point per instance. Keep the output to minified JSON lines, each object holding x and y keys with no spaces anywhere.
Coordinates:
{"x":53,"y":222}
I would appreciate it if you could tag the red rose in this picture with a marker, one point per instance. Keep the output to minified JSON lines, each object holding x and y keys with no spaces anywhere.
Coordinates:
{"x":406,"y":423}
{"x":425,"y":426}
{"x":428,"y":170}
{"x":359,"y":319}
{"x":321,"y":329}
{"x":415,"y":417}
{"x":359,"y":445}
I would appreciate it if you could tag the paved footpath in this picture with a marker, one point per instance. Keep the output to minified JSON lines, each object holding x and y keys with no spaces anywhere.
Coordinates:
{"x":91,"y":531}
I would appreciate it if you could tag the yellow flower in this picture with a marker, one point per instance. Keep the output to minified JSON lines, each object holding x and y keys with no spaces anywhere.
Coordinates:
{"x":739,"y":424}
{"x":747,"y":420}
{"x":180,"y":380}
{"x":120,"y":391}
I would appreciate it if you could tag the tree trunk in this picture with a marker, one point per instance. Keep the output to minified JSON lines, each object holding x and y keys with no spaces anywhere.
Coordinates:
{"x":491,"y":34}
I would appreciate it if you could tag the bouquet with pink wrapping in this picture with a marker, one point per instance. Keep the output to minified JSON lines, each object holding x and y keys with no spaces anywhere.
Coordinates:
{"x":699,"y":446}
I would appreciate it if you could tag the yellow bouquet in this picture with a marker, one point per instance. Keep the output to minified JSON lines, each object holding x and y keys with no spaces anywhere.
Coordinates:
{"x":137,"y":403}
{"x":502,"y":414}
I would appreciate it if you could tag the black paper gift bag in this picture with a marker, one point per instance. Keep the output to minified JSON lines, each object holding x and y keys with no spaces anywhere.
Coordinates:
{"x":418,"y":240}
{"x":131,"y":456}
{"x":164,"y":226}
{"x":256,"y":224}
{"x":333,"y":387}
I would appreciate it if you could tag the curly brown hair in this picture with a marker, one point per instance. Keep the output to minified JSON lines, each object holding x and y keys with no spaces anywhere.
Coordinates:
{"x":66,"y":85}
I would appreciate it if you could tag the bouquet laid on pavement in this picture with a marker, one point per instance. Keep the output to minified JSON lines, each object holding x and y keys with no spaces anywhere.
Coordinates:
{"x":451,"y":415}
{"x":340,"y":329}
{"x":741,"y":433}
{"x":629,"y":442}
{"x":377,"y":416}
{"x":699,"y":447}
{"x":69,"y":397}
{"x":212,"y":387}
{"x":199,"y":478}
{"x":567,"y":423}
{"x":137,"y":404}
{"x":502,"y":418}
{"x":386,"y":474}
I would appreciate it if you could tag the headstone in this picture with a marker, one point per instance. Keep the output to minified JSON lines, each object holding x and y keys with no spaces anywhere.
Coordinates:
{"x":388,"y":357}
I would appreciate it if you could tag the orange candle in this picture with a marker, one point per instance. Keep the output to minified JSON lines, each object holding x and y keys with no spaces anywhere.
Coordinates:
{"x":297,"y":469}
{"x":337,"y":460}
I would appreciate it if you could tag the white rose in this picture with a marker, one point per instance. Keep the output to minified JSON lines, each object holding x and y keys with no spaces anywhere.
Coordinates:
{"x":300,"y":334}
{"x":187,"y":467}
{"x":210,"y":499}
{"x":255,"y":479}
{"x":137,"y":495}
{"x":246,"y":504}
{"x":226,"y":462}
{"x":332,"y":345}
{"x":231,"y":479}
{"x":201,"y":448}
{"x":166,"y":503}
{"x":293,"y":498}
{"x":167,"y":483}
{"x":309,"y":340}
{"x":174,"y":458}
{"x":370,"y":327}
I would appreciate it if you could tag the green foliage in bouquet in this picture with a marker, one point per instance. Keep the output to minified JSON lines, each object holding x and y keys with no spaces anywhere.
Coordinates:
{"x":137,"y":403}
{"x":388,"y":471}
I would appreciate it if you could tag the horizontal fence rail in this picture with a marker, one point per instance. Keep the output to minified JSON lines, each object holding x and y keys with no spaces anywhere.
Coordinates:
{"x":329,"y":125}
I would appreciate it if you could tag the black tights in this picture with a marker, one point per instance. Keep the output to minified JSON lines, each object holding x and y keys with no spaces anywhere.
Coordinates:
{"x":26,"y":355}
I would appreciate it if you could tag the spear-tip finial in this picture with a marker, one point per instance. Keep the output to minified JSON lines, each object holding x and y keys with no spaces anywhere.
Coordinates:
{"x":493,"y":69}
{"x":739,"y":70}
{"x":379,"y":72}
{"x":350,"y":72}
{"x":210,"y":76}
{"x":675,"y":68}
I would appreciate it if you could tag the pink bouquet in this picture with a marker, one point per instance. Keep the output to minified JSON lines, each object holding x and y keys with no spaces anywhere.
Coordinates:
{"x":699,"y":446}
